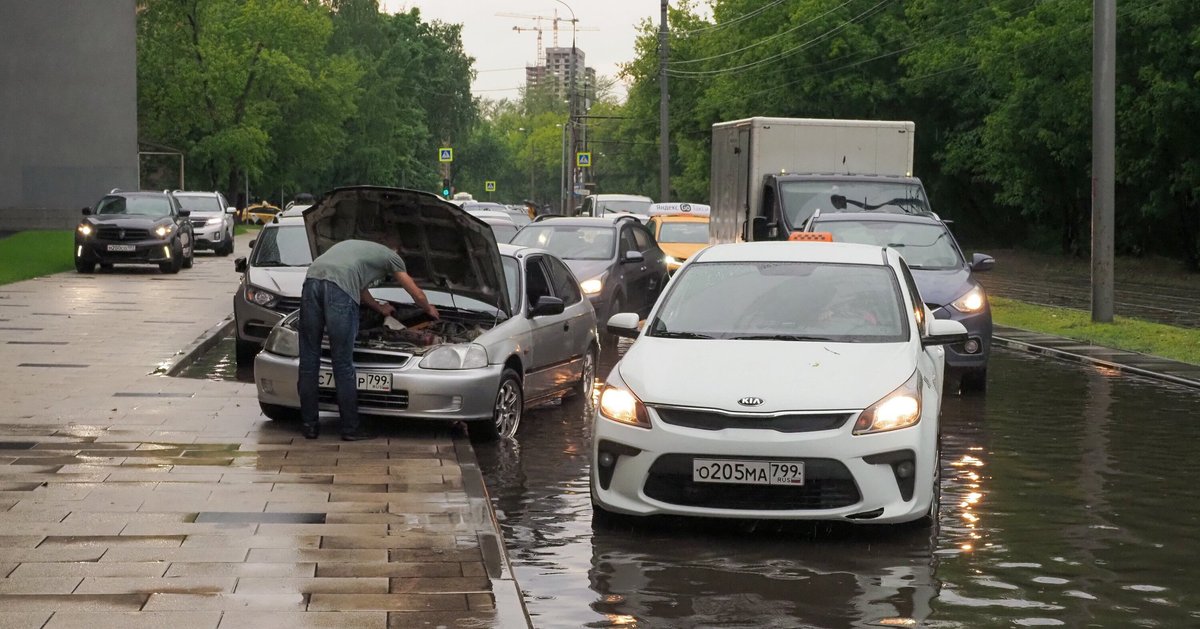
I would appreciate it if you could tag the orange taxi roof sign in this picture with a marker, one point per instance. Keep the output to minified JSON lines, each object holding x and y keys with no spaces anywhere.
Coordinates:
{"x":810,"y":237}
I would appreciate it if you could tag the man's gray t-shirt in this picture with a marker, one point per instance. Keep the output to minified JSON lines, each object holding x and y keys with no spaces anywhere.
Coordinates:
{"x":355,"y":264}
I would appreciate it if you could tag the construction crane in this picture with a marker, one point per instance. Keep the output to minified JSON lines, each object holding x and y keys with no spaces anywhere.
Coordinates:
{"x":541,"y":52}
{"x":537,"y":20}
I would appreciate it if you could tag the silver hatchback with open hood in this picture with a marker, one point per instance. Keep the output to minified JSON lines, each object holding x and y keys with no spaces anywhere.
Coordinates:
{"x":514,"y":327}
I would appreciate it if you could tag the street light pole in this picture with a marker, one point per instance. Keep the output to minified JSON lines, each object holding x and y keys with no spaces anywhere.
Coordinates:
{"x":562,"y":170}
{"x":573,"y":111}
{"x":1104,"y":63}
{"x":664,"y":151}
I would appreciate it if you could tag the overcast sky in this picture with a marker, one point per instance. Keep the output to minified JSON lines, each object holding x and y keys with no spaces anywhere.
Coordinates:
{"x":502,"y":53}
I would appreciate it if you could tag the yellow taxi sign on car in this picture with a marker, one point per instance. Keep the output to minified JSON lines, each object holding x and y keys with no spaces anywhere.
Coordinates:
{"x":810,"y":237}
{"x":679,"y":209}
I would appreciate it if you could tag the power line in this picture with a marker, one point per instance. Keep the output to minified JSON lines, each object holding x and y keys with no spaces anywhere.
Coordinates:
{"x":729,"y":23}
{"x":761,"y":41}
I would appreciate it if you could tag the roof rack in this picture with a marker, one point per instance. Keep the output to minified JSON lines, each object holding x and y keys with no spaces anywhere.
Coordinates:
{"x":114,"y":191}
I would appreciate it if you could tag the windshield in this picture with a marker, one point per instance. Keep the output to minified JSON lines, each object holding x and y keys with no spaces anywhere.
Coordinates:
{"x":694,"y":233}
{"x":633,"y":207}
{"x":569,"y":242}
{"x":802,"y":198}
{"x":789,"y":301}
{"x":140,"y":205}
{"x":503,"y":232}
{"x":923,"y":246}
{"x":282,"y":246}
{"x":199,"y":203}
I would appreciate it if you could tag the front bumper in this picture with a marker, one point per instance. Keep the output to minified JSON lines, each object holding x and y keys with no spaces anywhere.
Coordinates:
{"x":463,"y":395}
{"x":254,"y":322}
{"x":150,"y":251}
{"x":875,"y":496}
{"x":979,"y":329}
{"x":210,"y":236}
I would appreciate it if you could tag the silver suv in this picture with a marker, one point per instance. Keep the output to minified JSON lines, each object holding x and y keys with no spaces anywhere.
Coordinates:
{"x":212,"y":220}
{"x":272,"y":277}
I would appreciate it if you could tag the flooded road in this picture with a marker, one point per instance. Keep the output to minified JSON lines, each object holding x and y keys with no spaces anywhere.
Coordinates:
{"x":1068,"y":499}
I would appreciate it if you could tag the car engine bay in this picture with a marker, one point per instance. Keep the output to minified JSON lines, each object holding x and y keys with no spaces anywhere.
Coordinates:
{"x":411,"y":331}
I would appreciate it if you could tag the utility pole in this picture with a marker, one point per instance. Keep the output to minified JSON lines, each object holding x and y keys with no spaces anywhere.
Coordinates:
{"x":1104,"y":80}
{"x":664,"y":151}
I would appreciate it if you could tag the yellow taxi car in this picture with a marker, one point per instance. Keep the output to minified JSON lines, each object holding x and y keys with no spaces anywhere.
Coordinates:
{"x":260,"y":213}
{"x":681,"y":229}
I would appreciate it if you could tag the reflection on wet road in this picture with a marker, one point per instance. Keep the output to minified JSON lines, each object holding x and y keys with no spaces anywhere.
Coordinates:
{"x":1066,"y":501}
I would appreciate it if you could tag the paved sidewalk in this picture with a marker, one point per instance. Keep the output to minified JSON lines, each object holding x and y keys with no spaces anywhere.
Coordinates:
{"x":1118,"y":360}
{"x":130,"y":499}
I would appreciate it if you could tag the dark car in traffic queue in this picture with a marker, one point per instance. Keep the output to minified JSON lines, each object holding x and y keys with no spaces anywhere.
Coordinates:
{"x":942,"y":274}
{"x":619,"y":265}
{"x":135,"y":228}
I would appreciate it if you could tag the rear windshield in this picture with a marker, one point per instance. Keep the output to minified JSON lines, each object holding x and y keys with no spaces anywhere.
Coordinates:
{"x":503,"y":233}
{"x":569,"y":242}
{"x":282,"y":246}
{"x":923,"y":246}
{"x":633,"y":207}
{"x":803,"y":198}
{"x":140,"y":205}
{"x":199,"y":203}
{"x":694,"y":233}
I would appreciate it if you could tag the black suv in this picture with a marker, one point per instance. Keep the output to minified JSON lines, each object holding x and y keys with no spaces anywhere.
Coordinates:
{"x":617,"y":262}
{"x":134,"y":228}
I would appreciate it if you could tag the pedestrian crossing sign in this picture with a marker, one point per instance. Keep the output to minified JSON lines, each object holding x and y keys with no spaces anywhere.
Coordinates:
{"x":445,"y":154}
{"x":583,"y":159}
{"x":489,"y":186}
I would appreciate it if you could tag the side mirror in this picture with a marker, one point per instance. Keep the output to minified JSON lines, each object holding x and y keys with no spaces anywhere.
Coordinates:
{"x":184,"y":213}
{"x":633,"y":256}
{"x":624,"y":325}
{"x":981,"y":262}
{"x":252,"y":243}
{"x":239,"y":265}
{"x":87,"y":211}
{"x":944,"y":332}
{"x":761,"y":230}
{"x":231,"y":210}
{"x":547,"y":306}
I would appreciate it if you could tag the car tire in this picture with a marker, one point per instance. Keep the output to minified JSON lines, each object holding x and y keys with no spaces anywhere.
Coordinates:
{"x":587,"y":379}
{"x":189,"y":255}
{"x":614,"y":307}
{"x":277,"y":413}
{"x":84,"y":266}
{"x":507,"y":410}
{"x":175,"y":263}
{"x":245,"y":351}
{"x":973,"y":381}
{"x":226,"y":248}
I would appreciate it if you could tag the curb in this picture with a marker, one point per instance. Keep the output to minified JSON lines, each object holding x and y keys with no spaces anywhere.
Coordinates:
{"x":510,"y":603}
{"x":1033,"y":348}
{"x":188,"y":355}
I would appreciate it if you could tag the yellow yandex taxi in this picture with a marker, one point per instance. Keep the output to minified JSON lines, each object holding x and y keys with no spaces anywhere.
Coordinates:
{"x":681,"y":229}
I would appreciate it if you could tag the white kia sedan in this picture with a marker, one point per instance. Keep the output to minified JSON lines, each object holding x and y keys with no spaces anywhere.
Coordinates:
{"x":805,"y":383}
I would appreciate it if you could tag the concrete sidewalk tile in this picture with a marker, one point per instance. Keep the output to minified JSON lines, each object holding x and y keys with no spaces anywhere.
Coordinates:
{"x":71,"y":602}
{"x":190,"y":555}
{"x":388,"y":602}
{"x":389,"y":541}
{"x":306,"y":620}
{"x":315,"y":585}
{"x":39,"y":585}
{"x":466,"y":555}
{"x":111,"y":541}
{"x":176,"y":528}
{"x":324,"y":530}
{"x":241,"y":570}
{"x":481,"y":600}
{"x":303,"y":555}
{"x":134,"y":620}
{"x":20,"y":541}
{"x":253,"y":541}
{"x":88,"y":569}
{"x":390,"y":569}
{"x":433,"y":585}
{"x":363,"y":518}
{"x":156,"y":585}
{"x":303,"y":506}
{"x":23,"y":620}
{"x":49,"y":554}
{"x":196,"y":602}
{"x":441,"y":620}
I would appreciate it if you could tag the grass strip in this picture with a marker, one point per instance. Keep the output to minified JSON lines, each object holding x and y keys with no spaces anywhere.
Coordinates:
{"x":238,"y":230}
{"x":29,"y":254}
{"x":1135,"y":335}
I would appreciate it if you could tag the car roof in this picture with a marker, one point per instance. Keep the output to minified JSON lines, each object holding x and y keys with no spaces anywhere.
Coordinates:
{"x":882,"y":217}
{"x":576,"y":221}
{"x":823,"y":252}
{"x":484,"y":215}
{"x":283,"y":221}
{"x":679,"y":218}
{"x":848,"y":177}
{"x":194,"y":193}
{"x":622,"y":197}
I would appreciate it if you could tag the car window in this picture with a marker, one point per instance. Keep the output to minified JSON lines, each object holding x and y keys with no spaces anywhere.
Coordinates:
{"x":628,"y":242}
{"x":803,"y":198}
{"x":689,"y":232}
{"x":923,"y":245}
{"x":139,"y":205}
{"x":570,"y":242}
{"x":644,"y":242}
{"x":512,"y":279}
{"x":918,"y":303}
{"x":565,"y":285}
{"x":536,"y":283}
{"x":282,"y":246}
{"x":503,"y":232}
{"x":633,"y":207}
{"x":199,"y":203}
{"x":798,"y":301}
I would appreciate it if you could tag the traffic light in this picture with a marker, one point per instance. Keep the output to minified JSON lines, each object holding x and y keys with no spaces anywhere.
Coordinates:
{"x":446,"y":187}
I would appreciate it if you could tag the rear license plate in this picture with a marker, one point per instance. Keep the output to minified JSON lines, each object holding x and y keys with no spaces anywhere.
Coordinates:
{"x":122,"y":248}
{"x":748,"y":472}
{"x":366,"y":380}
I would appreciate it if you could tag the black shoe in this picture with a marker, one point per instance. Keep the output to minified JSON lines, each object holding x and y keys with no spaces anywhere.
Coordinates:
{"x":359,"y":435}
{"x":311,"y":432}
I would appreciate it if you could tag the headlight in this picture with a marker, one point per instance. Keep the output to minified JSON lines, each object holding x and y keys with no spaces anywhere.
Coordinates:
{"x":261,"y":297}
{"x":455,"y":357}
{"x":283,"y":341}
{"x":162,"y":230}
{"x":216,"y":220}
{"x":899,"y":409}
{"x":592,"y":286}
{"x":84,"y":229}
{"x":620,"y":405}
{"x":972,"y":301}
{"x":672,"y":260}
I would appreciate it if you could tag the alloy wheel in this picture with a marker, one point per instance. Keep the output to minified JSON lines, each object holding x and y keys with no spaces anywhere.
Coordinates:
{"x":508,"y":408}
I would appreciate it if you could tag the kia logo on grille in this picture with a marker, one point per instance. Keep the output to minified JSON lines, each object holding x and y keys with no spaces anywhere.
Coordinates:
{"x":750,"y":401}
{"x":121,"y":235}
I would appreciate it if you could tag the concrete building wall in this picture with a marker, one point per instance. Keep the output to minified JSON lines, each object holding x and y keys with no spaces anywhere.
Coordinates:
{"x":68,"y":107}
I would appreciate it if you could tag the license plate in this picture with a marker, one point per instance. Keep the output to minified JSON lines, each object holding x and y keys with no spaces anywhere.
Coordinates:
{"x":122,"y":248}
{"x":748,"y":472}
{"x":366,"y":380}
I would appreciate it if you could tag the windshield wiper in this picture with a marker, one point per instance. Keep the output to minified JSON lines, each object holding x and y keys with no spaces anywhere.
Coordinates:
{"x":680,"y":335}
{"x":780,"y":337}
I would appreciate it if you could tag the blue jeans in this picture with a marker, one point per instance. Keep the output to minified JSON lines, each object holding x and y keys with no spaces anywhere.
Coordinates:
{"x":325,"y":308}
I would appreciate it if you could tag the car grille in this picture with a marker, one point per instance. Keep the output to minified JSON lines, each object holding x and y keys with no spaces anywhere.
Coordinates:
{"x":286,"y":305}
{"x":199,"y":222}
{"x":112,"y":232}
{"x":368,"y":400}
{"x":373,"y":358}
{"x":714,"y":420}
{"x":827,"y":485}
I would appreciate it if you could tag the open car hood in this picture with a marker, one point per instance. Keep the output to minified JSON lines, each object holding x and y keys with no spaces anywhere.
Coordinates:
{"x":444,"y":248}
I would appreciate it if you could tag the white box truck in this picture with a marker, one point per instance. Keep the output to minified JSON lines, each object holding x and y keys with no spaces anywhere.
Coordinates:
{"x":770,"y":175}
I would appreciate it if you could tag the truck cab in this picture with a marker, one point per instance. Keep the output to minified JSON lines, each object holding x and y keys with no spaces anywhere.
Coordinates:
{"x":788,"y":201}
